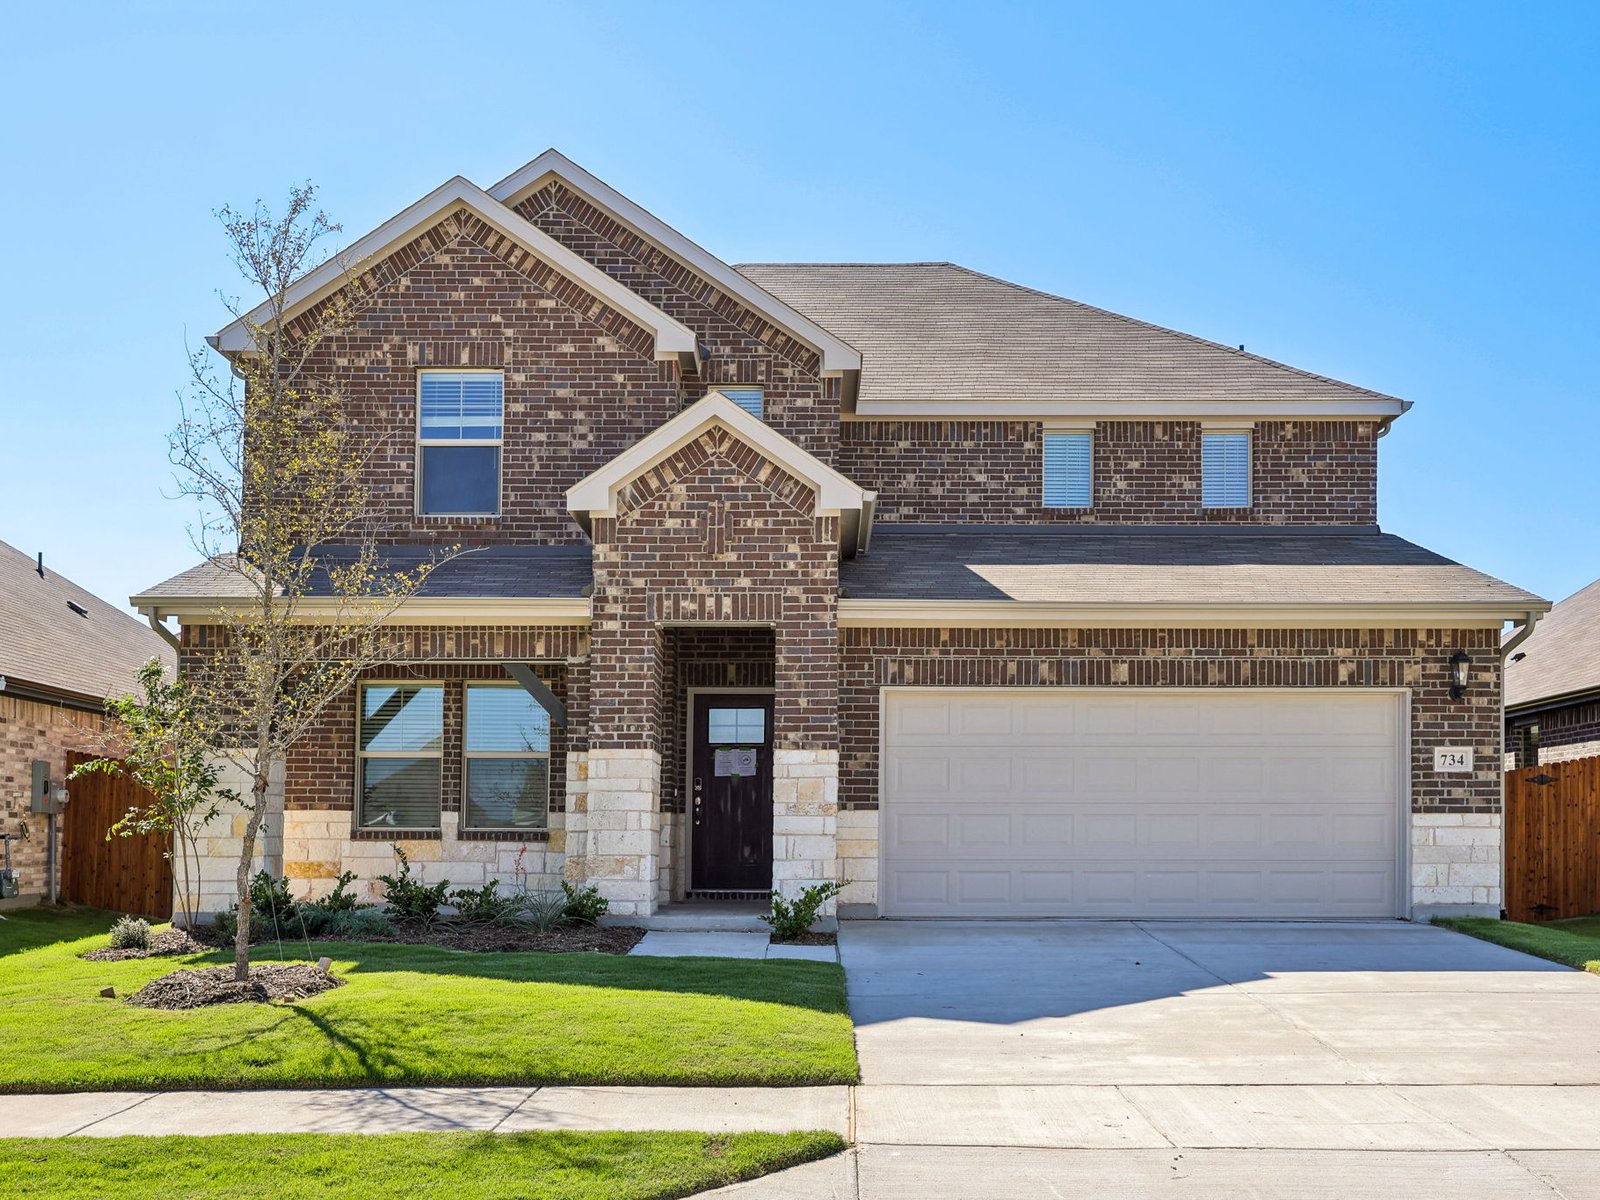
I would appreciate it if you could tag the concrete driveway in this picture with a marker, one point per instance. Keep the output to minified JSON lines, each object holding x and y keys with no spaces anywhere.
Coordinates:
{"x":1064,"y":1058}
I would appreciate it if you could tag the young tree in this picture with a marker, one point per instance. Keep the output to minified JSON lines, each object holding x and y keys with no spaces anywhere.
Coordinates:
{"x":159,"y":740}
{"x":269,"y":449}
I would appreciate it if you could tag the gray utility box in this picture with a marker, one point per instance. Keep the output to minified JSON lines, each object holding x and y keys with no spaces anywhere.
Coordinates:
{"x":9,"y":886}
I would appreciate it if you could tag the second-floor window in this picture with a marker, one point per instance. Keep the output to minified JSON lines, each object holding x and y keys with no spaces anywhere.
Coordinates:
{"x":459,"y":429}
{"x":1068,"y":470}
{"x":1225,"y":469}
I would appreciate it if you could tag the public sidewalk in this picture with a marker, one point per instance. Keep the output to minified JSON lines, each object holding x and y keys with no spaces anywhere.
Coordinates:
{"x":423,"y":1110}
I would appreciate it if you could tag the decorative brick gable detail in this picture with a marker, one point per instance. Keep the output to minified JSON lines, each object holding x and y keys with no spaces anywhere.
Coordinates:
{"x":1418,"y":660}
{"x":715,"y":533}
{"x":744,"y":347}
{"x":1145,"y":473}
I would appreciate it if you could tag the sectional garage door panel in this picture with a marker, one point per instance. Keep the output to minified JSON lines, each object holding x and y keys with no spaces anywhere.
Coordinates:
{"x":1125,"y":804}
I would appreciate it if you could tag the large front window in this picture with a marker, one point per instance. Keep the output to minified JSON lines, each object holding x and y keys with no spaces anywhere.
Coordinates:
{"x":459,"y":435}
{"x":401,"y":745}
{"x":507,"y":759}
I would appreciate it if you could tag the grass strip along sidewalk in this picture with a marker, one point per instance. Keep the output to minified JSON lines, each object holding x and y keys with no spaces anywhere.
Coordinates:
{"x":463,"y":1166}
{"x":1575,"y":942}
{"x":418,"y":1015}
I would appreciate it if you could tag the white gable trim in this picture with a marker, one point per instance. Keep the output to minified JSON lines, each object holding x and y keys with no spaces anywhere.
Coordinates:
{"x":672,"y":337}
{"x":837,"y":356}
{"x":595,"y":495}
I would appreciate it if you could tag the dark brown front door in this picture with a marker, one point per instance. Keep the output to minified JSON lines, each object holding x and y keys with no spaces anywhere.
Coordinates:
{"x":730,"y":793}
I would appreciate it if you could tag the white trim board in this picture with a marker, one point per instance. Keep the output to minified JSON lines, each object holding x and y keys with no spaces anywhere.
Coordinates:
{"x":672,"y":336}
{"x":837,"y":355}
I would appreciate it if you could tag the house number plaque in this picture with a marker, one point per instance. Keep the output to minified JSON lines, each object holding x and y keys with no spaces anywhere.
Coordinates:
{"x":1452,"y":760}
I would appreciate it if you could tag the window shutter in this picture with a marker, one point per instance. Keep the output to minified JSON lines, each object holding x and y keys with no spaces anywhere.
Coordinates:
{"x":1225,"y":470}
{"x":1068,"y":470}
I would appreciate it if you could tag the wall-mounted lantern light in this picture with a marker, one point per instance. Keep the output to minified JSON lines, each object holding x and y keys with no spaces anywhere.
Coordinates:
{"x":1460,"y":664}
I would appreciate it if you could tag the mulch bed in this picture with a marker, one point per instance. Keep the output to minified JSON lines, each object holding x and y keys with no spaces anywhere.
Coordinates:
{"x":565,"y":939}
{"x":170,"y":941}
{"x":216,"y":985}
{"x":809,"y":939}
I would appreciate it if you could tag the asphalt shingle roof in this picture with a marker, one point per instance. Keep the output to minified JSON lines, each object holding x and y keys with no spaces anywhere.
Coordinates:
{"x":94,"y":654}
{"x":1561,"y":655}
{"x":1167,"y":565}
{"x":495,"y":572}
{"x":936,"y":331}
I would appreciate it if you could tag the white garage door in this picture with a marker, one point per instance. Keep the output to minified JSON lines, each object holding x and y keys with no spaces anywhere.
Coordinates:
{"x":1044,"y":802}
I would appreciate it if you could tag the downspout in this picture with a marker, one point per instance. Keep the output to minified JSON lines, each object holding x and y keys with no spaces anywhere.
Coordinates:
{"x":167,"y":635}
{"x":1506,"y":648}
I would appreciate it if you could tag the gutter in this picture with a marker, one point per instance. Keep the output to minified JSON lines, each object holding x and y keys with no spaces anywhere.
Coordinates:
{"x":167,"y":635}
{"x":1521,"y":635}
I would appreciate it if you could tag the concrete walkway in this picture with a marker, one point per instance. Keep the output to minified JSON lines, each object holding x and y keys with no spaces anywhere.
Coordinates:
{"x":725,"y":944}
{"x":427,"y":1110}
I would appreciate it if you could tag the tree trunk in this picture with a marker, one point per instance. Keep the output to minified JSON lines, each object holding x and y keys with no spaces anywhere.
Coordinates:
{"x":247,"y":852}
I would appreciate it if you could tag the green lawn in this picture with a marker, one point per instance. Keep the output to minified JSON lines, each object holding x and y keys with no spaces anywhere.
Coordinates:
{"x":1575,"y":942}
{"x":422,"y":1015}
{"x":463,"y":1166}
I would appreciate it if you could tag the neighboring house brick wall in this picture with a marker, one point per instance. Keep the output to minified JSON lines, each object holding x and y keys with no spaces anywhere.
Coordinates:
{"x":1145,"y":472}
{"x":29,"y":730}
{"x":744,"y":347}
{"x":1564,"y":734}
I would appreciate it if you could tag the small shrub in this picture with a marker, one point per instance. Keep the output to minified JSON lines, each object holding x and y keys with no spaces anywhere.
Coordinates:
{"x":483,"y":905}
{"x":130,"y":933}
{"x":360,"y":924}
{"x":270,"y":899}
{"x":308,"y":920}
{"x":585,"y":905}
{"x":225,"y":926}
{"x":790,"y":918}
{"x":341,"y":899}
{"x":410,"y":900}
{"x":544,"y":911}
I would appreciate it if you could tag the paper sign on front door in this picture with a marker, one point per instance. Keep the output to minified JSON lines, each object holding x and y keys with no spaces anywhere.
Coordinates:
{"x":1453,"y":760}
{"x":734,"y":760}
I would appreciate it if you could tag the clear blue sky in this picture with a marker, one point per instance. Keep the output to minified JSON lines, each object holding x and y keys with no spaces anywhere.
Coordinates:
{"x":1403,"y":196}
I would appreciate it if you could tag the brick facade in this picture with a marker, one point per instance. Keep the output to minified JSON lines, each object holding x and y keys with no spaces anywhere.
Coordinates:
{"x":1415,"y":659}
{"x":1145,"y":473}
{"x":29,"y":730}
{"x":1563,"y":734}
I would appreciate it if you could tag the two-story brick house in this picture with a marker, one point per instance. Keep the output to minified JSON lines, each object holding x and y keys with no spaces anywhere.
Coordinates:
{"x":989,"y":602}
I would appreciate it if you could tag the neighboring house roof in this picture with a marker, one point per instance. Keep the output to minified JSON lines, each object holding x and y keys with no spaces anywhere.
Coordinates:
{"x":938,"y":339}
{"x":837,"y":355}
{"x":672,"y":337}
{"x":46,"y":644}
{"x":1561,"y":656}
{"x":1199,"y":568}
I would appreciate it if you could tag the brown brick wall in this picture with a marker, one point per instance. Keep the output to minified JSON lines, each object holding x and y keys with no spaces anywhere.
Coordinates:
{"x":744,"y":347}
{"x":1414,"y":659}
{"x":320,"y":773}
{"x":715,"y":534}
{"x":581,"y":383}
{"x":1145,"y":472}
{"x":32,"y":729}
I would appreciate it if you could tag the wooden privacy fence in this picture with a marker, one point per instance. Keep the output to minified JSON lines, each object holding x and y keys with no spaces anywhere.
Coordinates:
{"x":127,"y":874}
{"x":1552,"y":832}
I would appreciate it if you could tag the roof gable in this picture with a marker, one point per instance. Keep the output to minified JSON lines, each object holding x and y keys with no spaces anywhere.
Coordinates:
{"x":672,"y":337}
{"x":940,"y":340}
{"x":596,"y":495}
{"x":837,"y":355}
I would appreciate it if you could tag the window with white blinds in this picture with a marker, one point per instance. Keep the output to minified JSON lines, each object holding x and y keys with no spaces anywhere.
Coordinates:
{"x":400,"y":749}
{"x":752,"y":400}
{"x":507,"y":759}
{"x":459,"y":434}
{"x":1068,"y":470}
{"x":1225,"y":470}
